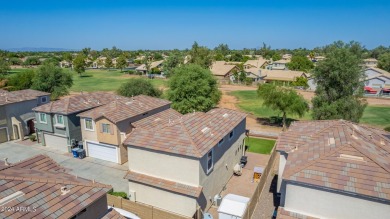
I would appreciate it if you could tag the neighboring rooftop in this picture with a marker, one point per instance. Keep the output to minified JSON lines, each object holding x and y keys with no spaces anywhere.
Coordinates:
{"x":78,"y":103}
{"x":281,"y":75}
{"x":192,"y":135}
{"x":152,"y":65}
{"x":42,"y":185}
{"x":258,"y":63}
{"x":7,"y":97}
{"x":164,"y":184}
{"x":338,"y":155}
{"x":221,"y":68}
{"x":124,"y":108}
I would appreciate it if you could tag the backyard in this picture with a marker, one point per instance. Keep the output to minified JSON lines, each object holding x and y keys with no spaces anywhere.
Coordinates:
{"x":250,"y":103}
{"x":260,"y":146}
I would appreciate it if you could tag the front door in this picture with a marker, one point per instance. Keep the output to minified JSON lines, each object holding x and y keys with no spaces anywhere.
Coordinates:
{"x":31,"y":126}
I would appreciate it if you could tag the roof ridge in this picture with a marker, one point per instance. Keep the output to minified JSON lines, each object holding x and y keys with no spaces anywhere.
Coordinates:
{"x":192,"y":141}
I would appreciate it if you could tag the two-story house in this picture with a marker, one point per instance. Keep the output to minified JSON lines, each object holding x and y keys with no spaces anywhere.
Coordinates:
{"x":377,"y":80}
{"x":16,"y":116}
{"x":180,"y":164}
{"x":57,"y":124}
{"x":334,"y":169}
{"x":105,"y":128}
{"x":280,"y":64}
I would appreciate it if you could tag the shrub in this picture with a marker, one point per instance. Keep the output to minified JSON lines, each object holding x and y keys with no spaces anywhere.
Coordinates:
{"x":248,"y":81}
{"x":32,"y":137}
{"x":137,"y":86}
{"x":387,"y":128}
{"x":119,"y":194}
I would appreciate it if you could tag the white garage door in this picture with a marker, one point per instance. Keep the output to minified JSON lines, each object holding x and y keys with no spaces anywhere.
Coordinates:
{"x":57,"y":142}
{"x":103,"y":151}
{"x":3,"y":135}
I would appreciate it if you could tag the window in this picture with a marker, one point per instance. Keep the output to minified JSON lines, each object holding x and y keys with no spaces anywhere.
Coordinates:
{"x":209,"y":161}
{"x":220,"y":142}
{"x":59,"y":120}
{"x":43,"y":99}
{"x":231,"y":134}
{"x":42,"y":118}
{"x":88,"y":124}
{"x":106,"y":128}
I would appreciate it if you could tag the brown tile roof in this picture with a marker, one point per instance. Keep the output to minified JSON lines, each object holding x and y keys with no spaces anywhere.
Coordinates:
{"x":192,"y":135}
{"x":339,"y":155}
{"x":77,"y":103}
{"x":381,"y":71}
{"x":112,"y":214}
{"x":152,"y":65}
{"x":281,"y":75}
{"x":157,"y":120}
{"x":221,"y":68}
{"x":125,"y":108}
{"x":40,"y":185}
{"x":172,"y":186}
{"x":284,"y":214}
{"x":19,"y":96}
{"x":258,"y":63}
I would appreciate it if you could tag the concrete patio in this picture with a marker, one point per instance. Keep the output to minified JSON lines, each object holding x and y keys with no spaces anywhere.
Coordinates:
{"x":243,"y":185}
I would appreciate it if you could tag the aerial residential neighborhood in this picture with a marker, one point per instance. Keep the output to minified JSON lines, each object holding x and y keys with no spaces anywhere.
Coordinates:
{"x":195,"y":110}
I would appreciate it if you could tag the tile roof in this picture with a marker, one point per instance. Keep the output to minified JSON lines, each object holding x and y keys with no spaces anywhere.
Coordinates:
{"x":112,"y":214}
{"x":284,"y":214}
{"x":125,"y":108}
{"x":258,"y":63}
{"x":77,"y":103}
{"x":339,"y":155}
{"x":281,"y":75}
{"x":46,"y":189}
{"x":152,"y":65}
{"x":19,"y":96}
{"x":221,"y":68}
{"x":172,"y":186}
{"x":157,"y":120}
{"x":193,"y":134}
{"x":381,"y":71}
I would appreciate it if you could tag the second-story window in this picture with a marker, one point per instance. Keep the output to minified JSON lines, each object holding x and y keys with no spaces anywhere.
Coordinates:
{"x":42,"y":118}
{"x":210,"y":162}
{"x":220,"y":142}
{"x":88,"y":124}
{"x":43,"y":99}
{"x":59,"y":119}
{"x":231,"y":134}
{"x":106,"y":128}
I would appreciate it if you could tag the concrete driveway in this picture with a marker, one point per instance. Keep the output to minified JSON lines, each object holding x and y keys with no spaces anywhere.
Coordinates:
{"x":88,"y":168}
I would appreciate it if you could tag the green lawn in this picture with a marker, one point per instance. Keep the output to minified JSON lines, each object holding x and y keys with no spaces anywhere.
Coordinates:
{"x":249,"y":102}
{"x":104,"y":80}
{"x":260,"y":146}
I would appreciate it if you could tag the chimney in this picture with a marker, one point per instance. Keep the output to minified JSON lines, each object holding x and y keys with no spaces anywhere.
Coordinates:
{"x":6,"y":161}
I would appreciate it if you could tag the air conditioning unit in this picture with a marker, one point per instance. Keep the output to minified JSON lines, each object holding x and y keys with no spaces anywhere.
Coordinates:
{"x":132,"y":196}
{"x":237,"y":169}
{"x":217,"y":200}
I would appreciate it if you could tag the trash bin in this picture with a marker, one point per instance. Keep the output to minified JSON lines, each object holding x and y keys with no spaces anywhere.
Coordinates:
{"x":75,"y":153}
{"x":81,"y":153}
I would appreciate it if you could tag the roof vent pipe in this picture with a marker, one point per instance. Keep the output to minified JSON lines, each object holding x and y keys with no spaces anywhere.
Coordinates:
{"x":6,"y":161}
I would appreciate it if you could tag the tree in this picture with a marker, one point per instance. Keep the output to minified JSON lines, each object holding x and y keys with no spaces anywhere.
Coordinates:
{"x":138,"y":86}
{"x":300,"y":63}
{"x":283,"y":99}
{"x":108,"y":63}
{"x":172,"y":62}
{"x":4,"y":66}
{"x":22,"y":80}
{"x":79,"y":63}
{"x":200,"y":55}
{"x":276,"y":57}
{"x":32,"y":61}
{"x":121,"y":62}
{"x":242,"y":77}
{"x":384,"y":62}
{"x":193,"y":88}
{"x":222,"y":49}
{"x":52,"y":79}
{"x":15,"y":61}
{"x":339,"y":91}
{"x":300,"y":82}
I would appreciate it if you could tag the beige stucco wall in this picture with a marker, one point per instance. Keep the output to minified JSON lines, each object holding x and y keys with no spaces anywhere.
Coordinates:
{"x":87,"y":134}
{"x":107,"y":137}
{"x":323,"y":204}
{"x":165,"y":200}
{"x":282,"y":164}
{"x":166,"y":166}
{"x":225,"y":158}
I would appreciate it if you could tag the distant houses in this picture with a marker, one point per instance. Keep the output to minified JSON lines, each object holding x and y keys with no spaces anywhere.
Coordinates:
{"x":377,"y":81}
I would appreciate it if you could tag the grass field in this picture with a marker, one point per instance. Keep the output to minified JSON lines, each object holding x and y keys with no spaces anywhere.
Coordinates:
{"x":260,"y":146}
{"x":249,"y":102}
{"x":104,"y":80}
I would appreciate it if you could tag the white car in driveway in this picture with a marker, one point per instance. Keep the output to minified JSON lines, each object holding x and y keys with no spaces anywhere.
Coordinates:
{"x":124,"y":213}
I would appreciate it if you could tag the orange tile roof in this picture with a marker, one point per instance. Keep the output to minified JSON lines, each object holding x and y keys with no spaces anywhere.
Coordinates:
{"x":193,"y":134}
{"x":172,"y":186}
{"x":112,"y":214}
{"x":124,"y":108}
{"x":19,"y":96}
{"x":78,"y":103}
{"x":158,"y":119}
{"x":339,"y":155}
{"x":284,"y":214}
{"x":40,"y":184}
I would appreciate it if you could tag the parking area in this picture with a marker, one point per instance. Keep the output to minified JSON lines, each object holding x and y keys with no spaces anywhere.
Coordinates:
{"x":88,"y":168}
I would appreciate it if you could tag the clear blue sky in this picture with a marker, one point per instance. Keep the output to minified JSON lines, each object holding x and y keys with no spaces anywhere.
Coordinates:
{"x":177,"y":24}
